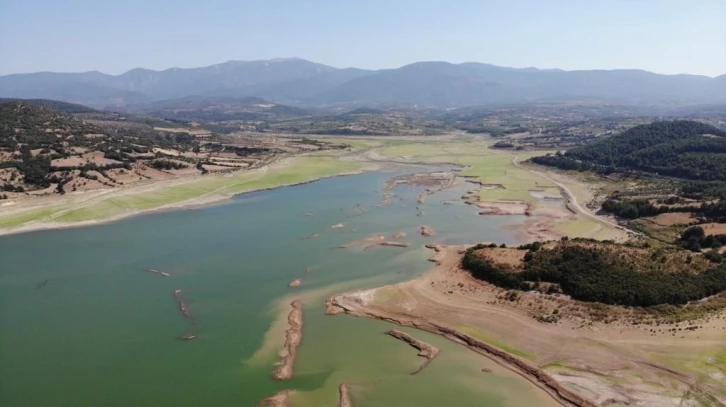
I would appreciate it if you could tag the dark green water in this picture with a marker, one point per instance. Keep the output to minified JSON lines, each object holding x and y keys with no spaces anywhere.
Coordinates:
{"x":102,"y":332}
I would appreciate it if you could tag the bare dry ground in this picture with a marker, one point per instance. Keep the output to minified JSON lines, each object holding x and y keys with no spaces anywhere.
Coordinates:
{"x":604,"y":362}
{"x":714,"y":228}
{"x":674,"y":218}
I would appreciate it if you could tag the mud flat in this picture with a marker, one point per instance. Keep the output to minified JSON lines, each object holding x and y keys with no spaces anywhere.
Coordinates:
{"x":354,"y":306}
{"x":427,"y":231}
{"x":425,"y":350}
{"x":161,"y":273}
{"x":293,"y":337}
{"x":189,"y":334}
{"x":578,"y":360}
{"x":504,"y":208}
{"x":281,"y":399}
{"x":373,"y":241}
{"x":436,"y":181}
{"x":393,"y":244}
{"x":344,"y":394}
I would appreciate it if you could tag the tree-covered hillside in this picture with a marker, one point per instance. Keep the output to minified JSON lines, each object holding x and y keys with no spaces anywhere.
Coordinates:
{"x":683,"y":149}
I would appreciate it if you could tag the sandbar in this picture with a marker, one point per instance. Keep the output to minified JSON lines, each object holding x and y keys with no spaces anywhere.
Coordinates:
{"x":293,"y":337}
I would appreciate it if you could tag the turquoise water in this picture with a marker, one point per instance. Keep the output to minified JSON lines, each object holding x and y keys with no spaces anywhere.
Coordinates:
{"x":82,"y":323}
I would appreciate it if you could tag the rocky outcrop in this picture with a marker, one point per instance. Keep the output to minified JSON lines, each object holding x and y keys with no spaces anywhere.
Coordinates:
{"x":189,"y":334}
{"x":425,"y":350}
{"x":427,"y":231}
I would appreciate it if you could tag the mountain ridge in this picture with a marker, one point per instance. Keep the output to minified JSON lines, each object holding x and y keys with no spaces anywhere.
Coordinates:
{"x":426,"y":83}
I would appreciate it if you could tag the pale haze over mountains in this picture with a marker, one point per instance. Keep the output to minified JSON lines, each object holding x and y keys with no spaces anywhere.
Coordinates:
{"x":298,"y":81}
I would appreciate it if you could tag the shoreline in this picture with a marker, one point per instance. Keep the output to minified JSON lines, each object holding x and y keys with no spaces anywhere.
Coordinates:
{"x":594,"y":368}
{"x":193,"y":203}
{"x":352,"y":305}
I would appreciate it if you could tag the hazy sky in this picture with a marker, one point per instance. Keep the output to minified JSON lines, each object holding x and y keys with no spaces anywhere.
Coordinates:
{"x":666,"y":36}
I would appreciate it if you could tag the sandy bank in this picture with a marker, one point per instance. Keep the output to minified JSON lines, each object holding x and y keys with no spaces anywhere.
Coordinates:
{"x":293,"y":337}
{"x":344,"y":394}
{"x":579,"y":362}
{"x":281,"y":399}
{"x":425,"y":350}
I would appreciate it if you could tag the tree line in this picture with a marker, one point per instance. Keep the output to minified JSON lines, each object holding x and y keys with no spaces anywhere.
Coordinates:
{"x":682,"y":148}
{"x":587,"y":274}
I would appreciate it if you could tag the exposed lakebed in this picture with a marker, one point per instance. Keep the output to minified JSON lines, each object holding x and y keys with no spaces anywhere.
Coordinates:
{"x":84,"y":323}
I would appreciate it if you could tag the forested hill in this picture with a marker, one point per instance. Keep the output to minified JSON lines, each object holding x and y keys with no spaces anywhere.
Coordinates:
{"x":683,"y":149}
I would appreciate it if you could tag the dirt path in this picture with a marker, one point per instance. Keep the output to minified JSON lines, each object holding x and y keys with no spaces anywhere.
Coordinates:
{"x":572,"y":199}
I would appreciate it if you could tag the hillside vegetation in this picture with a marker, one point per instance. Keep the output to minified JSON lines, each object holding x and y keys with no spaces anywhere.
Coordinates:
{"x":41,"y":147}
{"x":683,"y":148}
{"x":600,"y":272}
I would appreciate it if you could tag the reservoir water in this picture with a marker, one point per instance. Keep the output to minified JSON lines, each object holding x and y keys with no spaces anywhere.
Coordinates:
{"x":82,"y":323}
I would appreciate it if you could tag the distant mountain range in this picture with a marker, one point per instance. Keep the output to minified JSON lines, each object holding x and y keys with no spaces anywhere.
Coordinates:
{"x":297,"y":81}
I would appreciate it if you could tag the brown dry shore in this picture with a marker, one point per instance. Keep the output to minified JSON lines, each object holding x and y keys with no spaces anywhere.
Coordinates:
{"x":344,"y":393}
{"x":589,"y":365}
{"x":425,"y":350}
{"x":281,"y":399}
{"x":293,"y":337}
